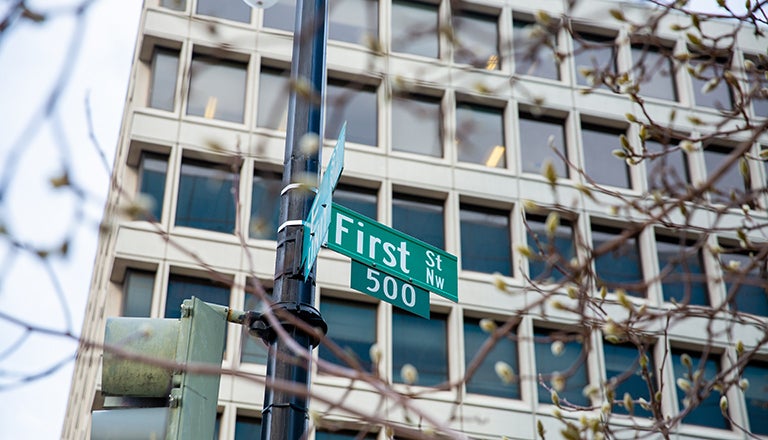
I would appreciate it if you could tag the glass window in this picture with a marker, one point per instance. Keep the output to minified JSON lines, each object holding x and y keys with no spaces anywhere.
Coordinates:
{"x":235,"y":10}
{"x":274,"y":88}
{"x":709,"y":87}
{"x":419,"y":217}
{"x":430,"y":360}
{"x":152,"y":171}
{"x":621,"y":267}
{"x":756,"y":396}
{"x":757,"y":75}
{"x":477,"y":40}
{"x":165,"y":68}
{"x":183,"y":287}
{"x":568,"y":361}
{"x":480,"y":135}
{"x":217,"y":88}
{"x":353,"y":21}
{"x":600,"y":164}
{"x":745,"y":282}
{"x":416,"y":125}
{"x":344,"y":435}
{"x":415,"y":28}
{"x":485,"y":240}
{"x":595,"y":53}
{"x":247,"y":428}
{"x":206,"y":196}
{"x":282,"y":15}
{"x":620,"y":361}
{"x":485,"y":380}
{"x":177,"y":5}
{"x":707,"y":413}
{"x":352,"y":326}
{"x":253,"y":348}
{"x":360,"y":200}
{"x":137,"y":293}
{"x":667,"y":167}
{"x":732,"y":181}
{"x":653,"y":69}
{"x":356,"y":104}
{"x":552,"y":255}
{"x":681,"y":268}
{"x":265,"y":204}
{"x":534,"y":56}
{"x":535,"y":133}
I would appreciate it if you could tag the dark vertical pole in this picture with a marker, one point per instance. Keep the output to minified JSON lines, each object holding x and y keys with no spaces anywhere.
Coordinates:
{"x":285,"y":414}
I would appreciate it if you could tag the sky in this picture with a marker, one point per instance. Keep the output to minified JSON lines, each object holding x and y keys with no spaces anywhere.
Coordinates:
{"x":32,"y":59}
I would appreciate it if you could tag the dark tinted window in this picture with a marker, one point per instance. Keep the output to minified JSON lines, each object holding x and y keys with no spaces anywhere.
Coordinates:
{"x":152,"y":171}
{"x":707,"y":413}
{"x":419,"y":217}
{"x":619,"y":268}
{"x":681,"y":268}
{"x":430,"y":359}
{"x":206,"y":197}
{"x":485,"y":380}
{"x":569,"y":360}
{"x":265,"y":204}
{"x":183,"y":287}
{"x":485,"y":240}
{"x":352,"y":326}
{"x":622,"y":367}
{"x":552,"y":254}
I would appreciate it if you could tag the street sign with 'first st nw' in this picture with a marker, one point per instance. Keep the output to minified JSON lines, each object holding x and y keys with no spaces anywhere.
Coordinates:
{"x":319,"y":217}
{"x":392,"y":252}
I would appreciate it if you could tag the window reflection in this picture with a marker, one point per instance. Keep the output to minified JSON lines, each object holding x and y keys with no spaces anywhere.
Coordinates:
{"x":480,"y":135}
{"x":746,"y":283}
{"x":430,"y":360}
{"x":667,"y":167}
{"x":352,"y":326}
{"x":477,"y":40}
{"x":756,"y":396}
{"x":419,"y":217}
{"x":353,"y":21}
{"x":569,"y":360}
{"x":282,"y":15}
{"x":535,"y":135}
{"x":355,"y":104}
{"x":274,"y":88}
{"x":206,"y":196}
{"x":623,"y":371}
{"x":165,"y":67}
{"x":681,"y":268}
{"x":415,"y":28}
{"x":732,"y":182}
{"x":235,"y":10}
{"x":485,"y":240}
{"x":217,"y":88}
{"x":247,"y":428}
{"x":552,"y":255}
{"x":265,"y":204}
{"x":621,"y":267}
{"x":653,"y":69}
{"x":600,"y":164}
{"x":534,"y":56}
{"x":416,"y":125}
{"x":595,"y":53}
{"x":485,"y":380}
{"x":137,"y":293}
{"x":709,"y":87}
{"x":183,"y":287}
{"x":707,"y":413}
{"x":253,"y":348}
{"x":360,"y":200}
{"x":153,"y":169}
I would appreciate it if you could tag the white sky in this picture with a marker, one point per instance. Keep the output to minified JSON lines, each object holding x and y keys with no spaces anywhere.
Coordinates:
{"x":31,"y":58}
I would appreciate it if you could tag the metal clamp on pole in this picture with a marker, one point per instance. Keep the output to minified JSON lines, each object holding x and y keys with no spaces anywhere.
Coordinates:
{"x":258,"y":324}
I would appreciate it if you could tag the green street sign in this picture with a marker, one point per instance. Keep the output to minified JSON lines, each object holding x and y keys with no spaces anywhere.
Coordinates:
{"x":390,"y":289}
{"x":393,"y":252}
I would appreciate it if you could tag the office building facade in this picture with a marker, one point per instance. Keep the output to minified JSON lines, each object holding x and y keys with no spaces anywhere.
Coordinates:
{"x":448,"y":143}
